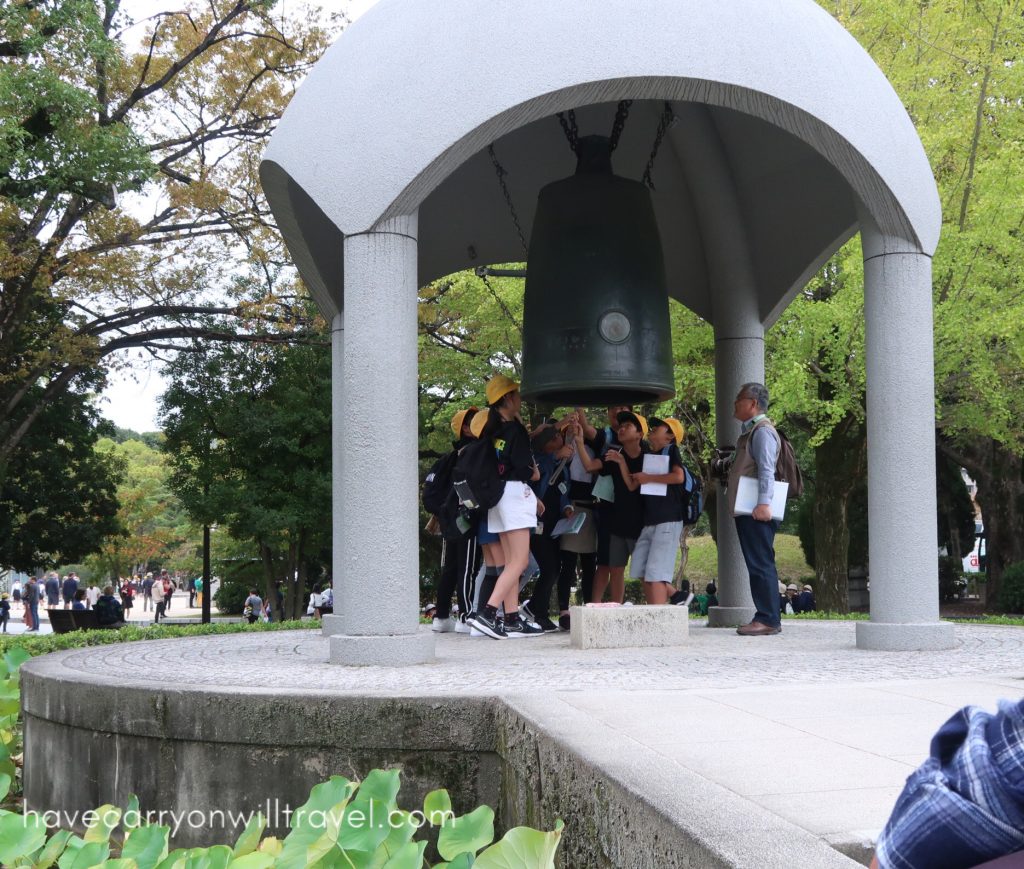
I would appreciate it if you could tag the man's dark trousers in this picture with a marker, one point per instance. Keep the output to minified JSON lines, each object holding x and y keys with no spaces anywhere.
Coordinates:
{"x":757,"y":540}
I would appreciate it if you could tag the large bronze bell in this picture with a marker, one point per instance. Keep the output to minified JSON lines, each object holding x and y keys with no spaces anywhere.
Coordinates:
{"x":595,"y":320}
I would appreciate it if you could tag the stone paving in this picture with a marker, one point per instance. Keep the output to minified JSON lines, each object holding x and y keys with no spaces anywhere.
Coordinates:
{"x":802,"y":725}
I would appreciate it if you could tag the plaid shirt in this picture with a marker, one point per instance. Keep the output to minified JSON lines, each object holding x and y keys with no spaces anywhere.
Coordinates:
{"x":965,"y":804}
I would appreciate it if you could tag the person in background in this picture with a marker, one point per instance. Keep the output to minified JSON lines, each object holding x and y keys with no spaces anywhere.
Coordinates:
{"x":52,"y":588}
{"x":253,"y":606}
{"x":31,"y":596}
{"x":168,"y":587}
{"x":793,"y":604}
{"x":147,"y":592}
{"x":68,"y":589}
{"x":191,"y":585}
{"x":316,"y":601}
{"x":16,"y":591}
{"x":79,"y":602}
{"x":806,"y":600}
{"x":109,"y":613}
{"x":5,"y":611}
{"x":92,"y":594}
{"x":127,"y":597}
{"x":712,"y":592}
{"x":199,"y":591}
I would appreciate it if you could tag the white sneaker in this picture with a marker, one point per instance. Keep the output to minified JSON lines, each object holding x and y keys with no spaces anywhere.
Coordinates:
{"x":462,"y":628}
{"x":443,"y":626}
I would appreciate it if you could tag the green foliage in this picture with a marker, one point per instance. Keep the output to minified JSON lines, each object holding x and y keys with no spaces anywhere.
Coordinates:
{"x":248,"y":440}
{"x":45,"y":643}
{"x":343,"y":823}
{"x":58,"y":496}
{"x":1011,"y":593}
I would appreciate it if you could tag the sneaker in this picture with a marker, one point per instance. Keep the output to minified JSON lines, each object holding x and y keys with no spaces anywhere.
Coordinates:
{"x":523,"y":628}
{"x":443,"y":626}
{"x":462,"y":628}
{"x":527,"y":613}
{"x":563,"y":622}
{"x":489,"y":627}
{"x":546,"y":625}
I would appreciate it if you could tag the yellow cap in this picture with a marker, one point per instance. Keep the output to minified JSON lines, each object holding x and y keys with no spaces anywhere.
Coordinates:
{"x":644,"y":428}
{"x":499,"y":386}
{"x":478,"y":422}
{"x":459,"y":420}
{"x":677,"y":429}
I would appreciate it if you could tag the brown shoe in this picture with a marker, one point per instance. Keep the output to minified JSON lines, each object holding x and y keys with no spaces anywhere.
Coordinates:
{"x":757,"y":629}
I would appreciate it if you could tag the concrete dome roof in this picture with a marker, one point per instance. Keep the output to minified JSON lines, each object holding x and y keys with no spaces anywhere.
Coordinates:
{"x":398,"y":114}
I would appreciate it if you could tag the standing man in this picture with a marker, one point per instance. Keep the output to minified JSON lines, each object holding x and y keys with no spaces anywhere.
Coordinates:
{"x":147,"y":592}
{"x":68,"y":589}
{"x":32,"y":603}
{"x":52,"y":587}
{"x":757,"y":451}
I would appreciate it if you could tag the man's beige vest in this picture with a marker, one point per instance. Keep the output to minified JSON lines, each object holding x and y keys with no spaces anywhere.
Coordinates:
{"x":743,"y":464}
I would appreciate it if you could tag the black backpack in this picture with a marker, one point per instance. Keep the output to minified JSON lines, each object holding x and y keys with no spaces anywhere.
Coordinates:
{"x":438,"y":484}
{"x":695,"y":506}
{"x":477,"y":477}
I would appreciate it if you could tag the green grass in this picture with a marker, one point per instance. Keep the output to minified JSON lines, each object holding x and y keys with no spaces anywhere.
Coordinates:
{"x":702,"y":566}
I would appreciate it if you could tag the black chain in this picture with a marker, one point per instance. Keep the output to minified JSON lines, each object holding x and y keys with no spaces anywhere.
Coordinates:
{"x":502,"y":172}
{"x":667,"y":117}
{"x":621,"y":113}
{"x":572,"y":132}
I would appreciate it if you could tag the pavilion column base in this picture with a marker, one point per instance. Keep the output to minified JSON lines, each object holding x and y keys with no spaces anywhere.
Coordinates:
{"x":729,"y":616}
{"x":397,"y":650}
{"x":906,"y":636}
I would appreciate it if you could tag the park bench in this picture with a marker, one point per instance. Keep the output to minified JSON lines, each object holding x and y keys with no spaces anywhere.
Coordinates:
{"x":64,"y":621}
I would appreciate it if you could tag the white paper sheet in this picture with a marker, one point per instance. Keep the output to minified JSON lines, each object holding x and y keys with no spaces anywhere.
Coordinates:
{"x":746,"y":498}
{"x":655,"y":463}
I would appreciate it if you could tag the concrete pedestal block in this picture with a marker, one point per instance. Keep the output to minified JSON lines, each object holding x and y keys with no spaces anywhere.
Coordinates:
{"x":332,"y":625}
{"x":729,"y":616}
{"x":397,"y":650}
{"x":629,"y":626}
{"x":903,"y":637}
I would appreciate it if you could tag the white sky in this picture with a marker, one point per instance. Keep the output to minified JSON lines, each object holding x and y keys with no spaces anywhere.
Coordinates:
{"x":131,"y":398}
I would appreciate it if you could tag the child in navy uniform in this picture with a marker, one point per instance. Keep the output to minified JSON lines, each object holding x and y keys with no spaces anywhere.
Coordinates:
{"x":5,"y":610}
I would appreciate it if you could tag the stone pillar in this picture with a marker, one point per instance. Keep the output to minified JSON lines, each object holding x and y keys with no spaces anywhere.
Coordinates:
{"x":376,"y":556}
{"x":739,"y":359}
{"x":332,"y":623}
{"x":739,"y":334}
{"x":902,"y":535}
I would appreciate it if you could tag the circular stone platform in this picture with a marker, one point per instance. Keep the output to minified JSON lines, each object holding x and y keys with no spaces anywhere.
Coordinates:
{"x":230,"y":721}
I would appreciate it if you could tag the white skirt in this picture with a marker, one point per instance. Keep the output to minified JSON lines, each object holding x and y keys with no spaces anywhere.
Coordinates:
{"x":516,"y":509}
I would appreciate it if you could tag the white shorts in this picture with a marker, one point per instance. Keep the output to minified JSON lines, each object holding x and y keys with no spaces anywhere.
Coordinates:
{"x":654,"y":556}
{"x":516,"y":509}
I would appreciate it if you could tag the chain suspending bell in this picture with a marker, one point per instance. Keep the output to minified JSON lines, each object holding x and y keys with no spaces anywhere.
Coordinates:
{"x":595,"y":321}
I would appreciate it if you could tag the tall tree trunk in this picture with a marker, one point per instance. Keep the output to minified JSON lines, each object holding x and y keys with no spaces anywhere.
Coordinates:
{"x":838,"y":465}
{"x":999,"y":473}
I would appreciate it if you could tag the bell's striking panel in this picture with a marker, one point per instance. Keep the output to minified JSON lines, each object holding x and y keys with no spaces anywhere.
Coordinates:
{"x":595,"y":321}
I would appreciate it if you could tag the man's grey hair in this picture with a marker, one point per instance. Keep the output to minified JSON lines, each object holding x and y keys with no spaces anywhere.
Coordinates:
{"x":758,"y":392}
